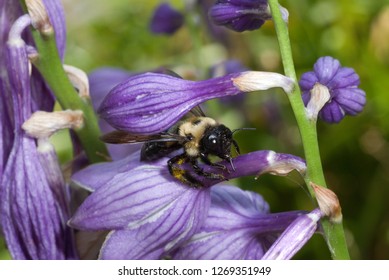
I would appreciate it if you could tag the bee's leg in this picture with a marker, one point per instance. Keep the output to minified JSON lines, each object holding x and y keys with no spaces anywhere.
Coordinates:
{"x":201,"y":172}
{"x":236,"y":146}
{"x":174,"y":165}
{"x":207,"y":161}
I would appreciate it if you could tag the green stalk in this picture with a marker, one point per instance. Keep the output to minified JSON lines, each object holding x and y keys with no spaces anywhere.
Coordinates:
{"x":333,"y":233}
{"x":50,"y":66}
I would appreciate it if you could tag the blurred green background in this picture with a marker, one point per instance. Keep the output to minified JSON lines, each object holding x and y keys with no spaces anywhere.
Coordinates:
{"x":355,"y":152}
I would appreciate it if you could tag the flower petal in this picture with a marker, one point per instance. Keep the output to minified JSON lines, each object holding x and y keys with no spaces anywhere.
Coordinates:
{"x":294,"y":237}
{"x":156,"y":238}
{"x":307,"y":81}
{"x":237,"y":227}
{"x":352,"y":100}
{"x":332,"y":112}
{"x":130,"y":199}
{"x":326,"y":68}
{"x":150,"y":103}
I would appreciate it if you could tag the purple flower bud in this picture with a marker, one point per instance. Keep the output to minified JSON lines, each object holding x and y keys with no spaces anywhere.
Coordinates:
{"x":240,"y":15}
{"x":166,"y":20}
{"x":345,"y":96}
{"x":150,"y":103}
{"x":239,"y":226}
{"x":148,"y":212}
{"x":294,"y":237}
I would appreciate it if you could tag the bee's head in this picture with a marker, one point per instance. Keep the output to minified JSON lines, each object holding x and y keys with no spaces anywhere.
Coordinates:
{"x":217,"y":141}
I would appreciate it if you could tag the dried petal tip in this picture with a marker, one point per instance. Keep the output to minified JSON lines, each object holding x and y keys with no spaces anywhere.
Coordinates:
{"x":43,"y":124}
{"x":257,"y":80}
{"x":39,"y":16}
{"x":328,"y":203}
{"x":320,"y":95}
{"x":283,"y":164}
{"x":79,"y":80}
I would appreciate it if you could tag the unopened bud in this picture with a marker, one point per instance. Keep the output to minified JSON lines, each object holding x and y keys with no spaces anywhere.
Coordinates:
{"x":79,"y":80}
{"x":328,"y":203}
{"x":257,"y":80}
{"x":39,"y":16}
{"x":320,"y":95}
{"x":43,"y":124}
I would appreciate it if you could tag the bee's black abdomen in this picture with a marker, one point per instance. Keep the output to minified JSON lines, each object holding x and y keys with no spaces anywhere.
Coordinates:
{"x":155,"y":150}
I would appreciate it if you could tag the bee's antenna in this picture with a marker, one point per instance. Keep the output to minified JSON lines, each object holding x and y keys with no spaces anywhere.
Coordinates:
{"x":243,"y":128}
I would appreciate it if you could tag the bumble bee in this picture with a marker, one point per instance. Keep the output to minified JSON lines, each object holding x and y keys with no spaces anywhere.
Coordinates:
{"x":198,"y":135}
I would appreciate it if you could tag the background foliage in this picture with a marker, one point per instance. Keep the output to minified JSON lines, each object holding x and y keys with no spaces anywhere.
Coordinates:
{"x":355,"y":152}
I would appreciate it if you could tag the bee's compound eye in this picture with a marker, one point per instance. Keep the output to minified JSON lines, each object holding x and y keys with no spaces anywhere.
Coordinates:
{"x":212,"y":140}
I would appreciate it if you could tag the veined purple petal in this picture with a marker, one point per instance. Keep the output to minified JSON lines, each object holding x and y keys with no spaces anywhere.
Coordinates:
{"x":155,"y":239}
{"x":150,"y":103}
{"x":238,"y":226}
{"x":149,"y":212}
{"x":140,"y":194}
{"x":294,"y":237}
{"x":96,"y":175}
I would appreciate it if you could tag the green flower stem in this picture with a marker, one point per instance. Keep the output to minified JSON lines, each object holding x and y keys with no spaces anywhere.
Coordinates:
{"x":50,"y":66}
{"x":334,"y":233}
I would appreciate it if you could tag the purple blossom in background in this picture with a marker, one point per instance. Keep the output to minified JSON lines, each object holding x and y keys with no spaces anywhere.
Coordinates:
{"x":240,"y":15}
{"x":101,"y":81}
{"x":34,"y":201}
{"x":166,"y":20}
{"x":147,"y":212}
{"x":342,"y":82}
{"x":238,"y":226}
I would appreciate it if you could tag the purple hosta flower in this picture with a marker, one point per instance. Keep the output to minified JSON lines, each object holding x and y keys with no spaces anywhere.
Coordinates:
{"x":342,"y":84}
{"x":238,"y":226}
{"x":33,"y":198}
{"x":150,"y":103}
{"x":242,"y":15}
{"x":148,"y":212}
{"x":166,"y":20}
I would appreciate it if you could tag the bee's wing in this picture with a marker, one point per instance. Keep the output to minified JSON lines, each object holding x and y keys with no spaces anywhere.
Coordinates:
{"x":196,"y":112}
{"x":123,"y":137}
